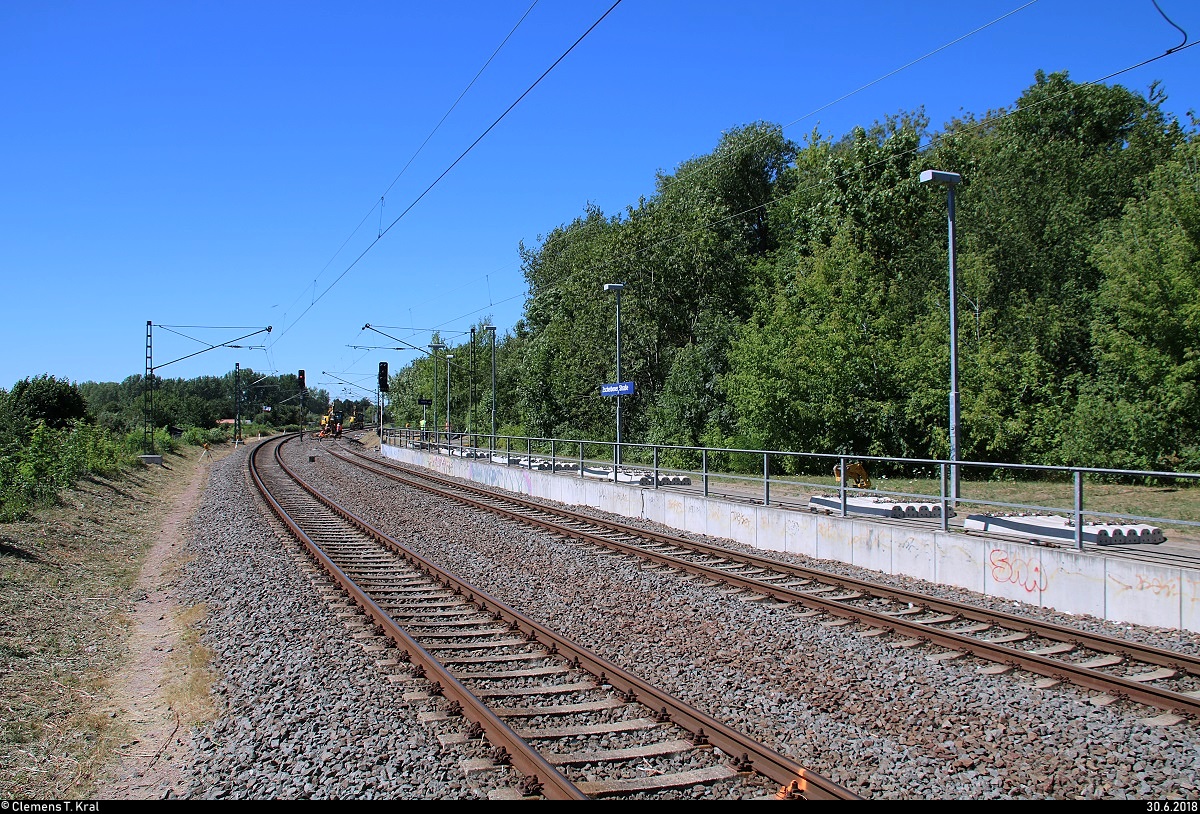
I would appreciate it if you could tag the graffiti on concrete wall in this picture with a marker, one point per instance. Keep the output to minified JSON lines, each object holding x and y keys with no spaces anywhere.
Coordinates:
{"x":1167,"y":588}
{"x":1017,"y":571}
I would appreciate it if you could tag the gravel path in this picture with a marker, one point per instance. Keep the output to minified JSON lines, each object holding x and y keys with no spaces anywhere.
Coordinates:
{"x":305,"y":715}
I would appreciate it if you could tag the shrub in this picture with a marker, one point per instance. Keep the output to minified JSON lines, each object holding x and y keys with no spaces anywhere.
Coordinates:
{"x":195,"y":436}
{"x":164,"y":442}
{"x":255,"y":429}
{"x":134,"y":442}
{"x":32,"y":474}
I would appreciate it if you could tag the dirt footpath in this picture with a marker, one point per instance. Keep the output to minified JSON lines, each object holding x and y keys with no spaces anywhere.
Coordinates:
{"x":163,"y":688}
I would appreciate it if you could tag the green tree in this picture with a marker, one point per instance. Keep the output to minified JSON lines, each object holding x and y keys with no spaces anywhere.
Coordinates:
{"x":56,"y":402}
{"x":1142,"y":410}
{"x":1042,"y":182}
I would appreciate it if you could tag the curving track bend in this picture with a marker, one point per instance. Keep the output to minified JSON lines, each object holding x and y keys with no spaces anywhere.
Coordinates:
{"x":561,"y":722}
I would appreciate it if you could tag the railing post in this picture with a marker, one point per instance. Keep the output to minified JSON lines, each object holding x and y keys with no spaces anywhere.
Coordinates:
{"x":704,"y":469}
{"x":944,"y":502}
{"x":507,"y":450}
{"x":656,"y":467}
{"x":553,"y":460}
{"x":842,"y":483}
{"x":766,"y":479}
{"x":581,"y":459}
{"x":1079,"y":510}
{"x":528,"y":452}
{"x":616,"y":461}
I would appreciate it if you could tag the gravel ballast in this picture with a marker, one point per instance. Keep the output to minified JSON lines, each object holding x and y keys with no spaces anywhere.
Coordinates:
{"x":306,"y":714}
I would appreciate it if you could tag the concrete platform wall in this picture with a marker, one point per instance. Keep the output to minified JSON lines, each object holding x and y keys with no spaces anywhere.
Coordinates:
{"x":1065,"y":579}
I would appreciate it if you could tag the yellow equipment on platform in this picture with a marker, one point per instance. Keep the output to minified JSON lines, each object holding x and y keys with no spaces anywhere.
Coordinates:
{"x":856,"y":473}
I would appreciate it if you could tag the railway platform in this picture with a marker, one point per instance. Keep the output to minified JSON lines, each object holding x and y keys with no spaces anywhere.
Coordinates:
{"x":1152,"y":584}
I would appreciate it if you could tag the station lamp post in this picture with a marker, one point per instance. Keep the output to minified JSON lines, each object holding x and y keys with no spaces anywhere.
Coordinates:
{"x":950,"y":180}
{"x":433,"y":352}
{"x":492,"y":330}
{"x":449,"y":356}
{"x":472,"y":416}
{"x":617,"y":288}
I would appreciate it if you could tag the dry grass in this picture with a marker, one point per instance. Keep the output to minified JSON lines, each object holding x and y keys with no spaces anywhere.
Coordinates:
{"x":188,"y":667}
{"x":67,"y":586}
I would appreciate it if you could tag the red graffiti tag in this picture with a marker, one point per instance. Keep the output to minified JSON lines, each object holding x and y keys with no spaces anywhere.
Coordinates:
{"x":1018,"y":572}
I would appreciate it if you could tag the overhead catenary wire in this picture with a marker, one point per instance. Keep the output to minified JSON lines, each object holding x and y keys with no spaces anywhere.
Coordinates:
{"x":412,"y":158}
{"x":1172,"y":22}
{"x":938,"y":138}
{"x":452,"y":165}
{"x":987,"y":121}
{"x":709,"y":166}
{"x":467,"y":285}
{"x":210,"y":346}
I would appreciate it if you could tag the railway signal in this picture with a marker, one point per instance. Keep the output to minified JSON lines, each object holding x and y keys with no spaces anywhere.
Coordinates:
{"x":383,"y":377}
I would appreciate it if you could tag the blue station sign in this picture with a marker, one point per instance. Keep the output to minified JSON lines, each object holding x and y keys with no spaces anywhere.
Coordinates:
{"x":619,"y":389}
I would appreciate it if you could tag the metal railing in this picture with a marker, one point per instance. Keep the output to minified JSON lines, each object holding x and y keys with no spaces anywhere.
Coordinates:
{"x":646,"y":465}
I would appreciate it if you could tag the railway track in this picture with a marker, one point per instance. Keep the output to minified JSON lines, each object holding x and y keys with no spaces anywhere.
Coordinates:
{"x":1115,"y":669}
{"x":566,"y":723}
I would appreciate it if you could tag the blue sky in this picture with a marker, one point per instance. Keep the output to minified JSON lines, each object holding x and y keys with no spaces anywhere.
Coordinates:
{"x":221,"y":165}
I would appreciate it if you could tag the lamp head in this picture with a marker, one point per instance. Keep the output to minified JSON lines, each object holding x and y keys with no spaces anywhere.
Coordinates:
{"x":940,"y":177}
{"x":617,"y":287}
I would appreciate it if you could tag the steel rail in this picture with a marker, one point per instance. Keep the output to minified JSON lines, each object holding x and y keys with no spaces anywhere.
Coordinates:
{"x":1159,"y":698}
{"x":553,"y":784}
{"x":1093,"y":641}
{"x":795,"y":780}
